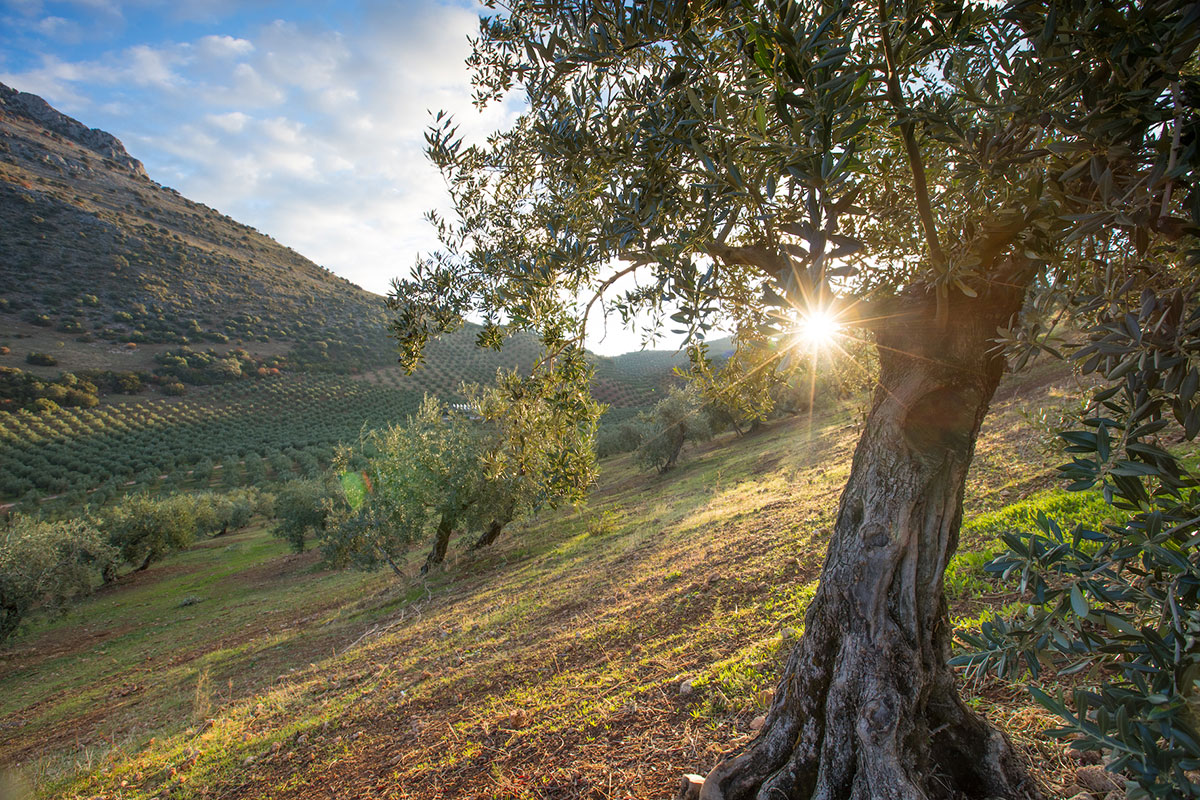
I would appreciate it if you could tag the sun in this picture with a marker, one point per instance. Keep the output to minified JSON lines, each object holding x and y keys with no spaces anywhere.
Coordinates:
{"x":818,"y":329}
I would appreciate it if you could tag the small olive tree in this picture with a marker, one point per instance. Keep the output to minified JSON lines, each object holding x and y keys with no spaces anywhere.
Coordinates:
{"x":505,"y":453}
{"x":539,"y":449}
{"x":302,"y":509}
{"x":678,"y":419}
{"x":144,"y":529}
{"x":413,"y":485}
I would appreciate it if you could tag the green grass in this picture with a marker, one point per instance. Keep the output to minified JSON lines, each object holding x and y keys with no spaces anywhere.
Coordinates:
{"x":134,"y":651}
{"x":965,"y":577}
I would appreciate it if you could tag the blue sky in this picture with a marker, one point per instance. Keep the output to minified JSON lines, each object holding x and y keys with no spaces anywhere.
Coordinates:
{"x":302,"y":119}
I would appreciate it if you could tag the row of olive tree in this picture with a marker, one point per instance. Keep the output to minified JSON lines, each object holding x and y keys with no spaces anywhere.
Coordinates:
{"x":145,"y":528}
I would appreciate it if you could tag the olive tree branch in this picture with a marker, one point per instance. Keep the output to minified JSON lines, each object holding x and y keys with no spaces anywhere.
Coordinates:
{"x":912,"y":149}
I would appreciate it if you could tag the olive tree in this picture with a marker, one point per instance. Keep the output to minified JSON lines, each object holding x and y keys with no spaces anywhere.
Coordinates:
{"x":944,"y":176}
{"x":676,"y":420}
{"x":144,"y":529}
{"x":505,"y":453}
{"x":539,"y":448}
{"x":302,"y":508}
{"x":47,"y":564}
{"x":417,"y":483}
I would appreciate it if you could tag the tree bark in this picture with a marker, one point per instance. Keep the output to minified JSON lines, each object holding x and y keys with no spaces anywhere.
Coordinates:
{"x":441,"y":539}
{"x":677,"y":441}
{"x":867,"y":706}
{"x":490,"y":534}
{"x":496,"y":527}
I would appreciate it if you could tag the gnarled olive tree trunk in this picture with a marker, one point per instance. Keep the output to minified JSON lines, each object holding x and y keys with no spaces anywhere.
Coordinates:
{"x":441,"y":540}
{"x":492,"y":532}
{"x":867,"y":707}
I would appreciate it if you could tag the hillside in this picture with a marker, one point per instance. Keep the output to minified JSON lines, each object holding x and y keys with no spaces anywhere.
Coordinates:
{"x":93,"y":246}
{"x":550,"y":667}
{"x":140,"y":295}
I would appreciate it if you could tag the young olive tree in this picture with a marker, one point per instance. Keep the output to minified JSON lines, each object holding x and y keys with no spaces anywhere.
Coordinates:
{"x":938,"y":175}
{"x":741,"y":390}
{"x":446,"y":450}
{"x":509,"y":452}
{"x":539,"y":448}
{"x":302,"y":508}
{"x":398,"y":496}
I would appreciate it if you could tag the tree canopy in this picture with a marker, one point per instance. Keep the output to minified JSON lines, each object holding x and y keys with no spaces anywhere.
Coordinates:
{"x":753,"y":160}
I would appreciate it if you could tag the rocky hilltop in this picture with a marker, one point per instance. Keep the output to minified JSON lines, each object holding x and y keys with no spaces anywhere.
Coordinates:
{"x":99,"y":142}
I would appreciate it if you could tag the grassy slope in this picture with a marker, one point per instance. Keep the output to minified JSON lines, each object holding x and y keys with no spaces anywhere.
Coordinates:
{"x":75,"y":225}
{"x":548,"y":667}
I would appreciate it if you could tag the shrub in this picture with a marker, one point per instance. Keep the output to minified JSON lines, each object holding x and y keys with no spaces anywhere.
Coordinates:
{"x":41,"y":360}
{"x":621,"y":437}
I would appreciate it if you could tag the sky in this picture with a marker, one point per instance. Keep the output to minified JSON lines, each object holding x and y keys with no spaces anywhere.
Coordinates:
{"x":302,"y":119}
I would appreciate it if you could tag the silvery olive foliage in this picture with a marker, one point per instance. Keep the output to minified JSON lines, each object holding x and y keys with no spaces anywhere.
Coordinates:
{"x":476,"y":467}
{"x":678,"y":419}
{"x":302,"y":508}
{"x":1121,"y":604}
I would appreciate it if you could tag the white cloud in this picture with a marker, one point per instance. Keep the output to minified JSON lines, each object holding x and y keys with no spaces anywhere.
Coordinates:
{"x":224,"y":46}
{"x":151,"y":67}
{"x":58,"y":28}
{"x":27,"y":8}
{"x":233,"y":122}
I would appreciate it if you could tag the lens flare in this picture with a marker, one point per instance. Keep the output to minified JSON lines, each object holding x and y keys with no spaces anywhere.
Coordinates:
{"x":818,"y":329}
